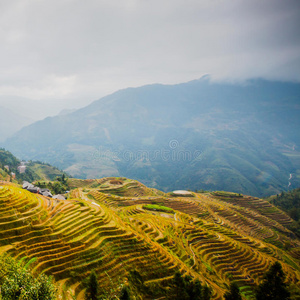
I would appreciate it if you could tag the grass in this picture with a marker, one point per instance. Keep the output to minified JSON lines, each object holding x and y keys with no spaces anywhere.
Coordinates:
{"x":156,"y":207}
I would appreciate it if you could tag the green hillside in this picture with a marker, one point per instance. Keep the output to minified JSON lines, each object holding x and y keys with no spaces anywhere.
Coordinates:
{"x":290,"y":203}
{"x":35,"y":170}
{"x":136,"y":237}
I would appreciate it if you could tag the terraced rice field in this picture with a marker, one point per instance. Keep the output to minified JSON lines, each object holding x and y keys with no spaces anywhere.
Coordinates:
{"x":217,"y":237}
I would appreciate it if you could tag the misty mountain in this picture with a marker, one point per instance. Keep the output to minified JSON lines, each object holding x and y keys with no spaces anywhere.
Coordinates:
{"x":11,"y":122}
{"x":197,"y":135}
{"x":38,"y":110}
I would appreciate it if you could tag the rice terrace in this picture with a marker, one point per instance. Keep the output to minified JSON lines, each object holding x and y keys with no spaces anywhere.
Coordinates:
{"x":135,"y":236}
{"x":150,"y":150}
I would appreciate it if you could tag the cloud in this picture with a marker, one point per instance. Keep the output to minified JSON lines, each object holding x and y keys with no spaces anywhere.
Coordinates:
{"x":86,"y":49}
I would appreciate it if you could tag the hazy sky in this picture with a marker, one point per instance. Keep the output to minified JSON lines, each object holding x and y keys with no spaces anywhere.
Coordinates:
{"x":75,"y":49}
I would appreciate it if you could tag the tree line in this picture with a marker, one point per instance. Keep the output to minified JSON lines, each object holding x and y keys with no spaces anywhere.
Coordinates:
{"x":184,"y":287}
{"x":17,"y":282}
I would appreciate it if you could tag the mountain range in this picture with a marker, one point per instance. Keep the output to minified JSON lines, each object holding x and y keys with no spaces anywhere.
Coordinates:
{"x":197,"y":135}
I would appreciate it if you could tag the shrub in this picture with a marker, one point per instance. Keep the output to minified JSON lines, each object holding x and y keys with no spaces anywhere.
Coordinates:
{"x":18,"y":283}
{"x":273,"y":286}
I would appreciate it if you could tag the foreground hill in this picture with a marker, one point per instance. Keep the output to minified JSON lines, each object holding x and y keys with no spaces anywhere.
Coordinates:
{"x":197,"y":135}
{"x":120,"y":227}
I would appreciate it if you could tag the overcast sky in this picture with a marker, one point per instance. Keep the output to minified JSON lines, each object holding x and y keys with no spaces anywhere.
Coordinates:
{"x":83,"y":50}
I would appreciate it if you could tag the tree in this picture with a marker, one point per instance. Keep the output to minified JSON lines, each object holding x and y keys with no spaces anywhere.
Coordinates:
{"x":233,"y":293}
{"x":273,"y":286}
{"x":44,"y":288}
{"x":194,"y":290}
{"x":125,"y":295}
{"x":206,"y":293}
{"x":179,"y":287}
{"x":185,"y":288}
{"x":92,"y":290}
